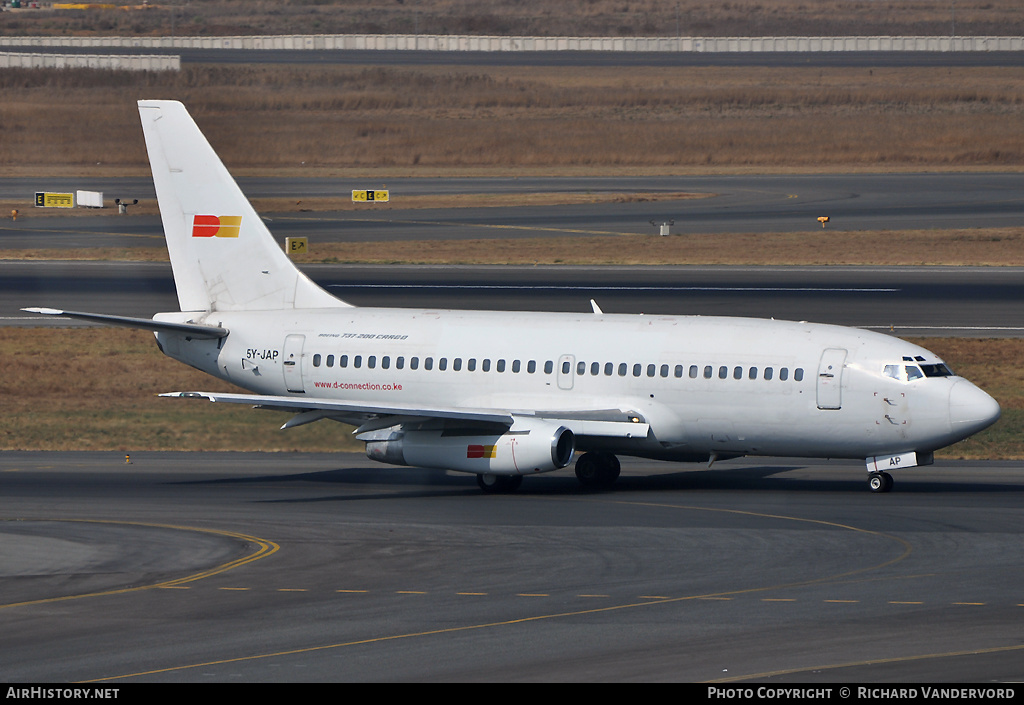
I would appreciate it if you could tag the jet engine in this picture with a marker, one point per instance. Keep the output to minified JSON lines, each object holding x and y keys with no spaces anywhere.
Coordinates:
{"x":523,"y":449}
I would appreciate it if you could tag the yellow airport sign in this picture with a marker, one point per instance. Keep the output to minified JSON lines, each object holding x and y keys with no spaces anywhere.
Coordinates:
{"x":296,"y":245}
{"x":370,"y":196}
{"x":55,"y":200}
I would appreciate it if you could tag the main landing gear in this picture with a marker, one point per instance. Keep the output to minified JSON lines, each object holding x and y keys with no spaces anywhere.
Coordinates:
{"x":879,"y":481}
{"x":499,"y":484}
{"x":597,"y":471}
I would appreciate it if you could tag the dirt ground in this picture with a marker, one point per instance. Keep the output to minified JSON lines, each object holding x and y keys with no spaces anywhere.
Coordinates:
{"x":735,"y":18}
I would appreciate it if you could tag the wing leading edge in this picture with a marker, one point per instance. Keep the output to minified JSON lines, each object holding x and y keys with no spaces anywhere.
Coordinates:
{"x":611,"y":422}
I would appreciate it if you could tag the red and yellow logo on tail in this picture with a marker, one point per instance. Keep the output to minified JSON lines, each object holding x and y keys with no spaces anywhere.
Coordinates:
{"x":216,"y":225}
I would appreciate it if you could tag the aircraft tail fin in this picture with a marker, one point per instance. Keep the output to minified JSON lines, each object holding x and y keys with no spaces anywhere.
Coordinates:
{"x":223,"y":256}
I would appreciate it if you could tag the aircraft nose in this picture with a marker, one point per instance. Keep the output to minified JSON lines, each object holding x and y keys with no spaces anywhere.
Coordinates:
{"x":971,"y":409}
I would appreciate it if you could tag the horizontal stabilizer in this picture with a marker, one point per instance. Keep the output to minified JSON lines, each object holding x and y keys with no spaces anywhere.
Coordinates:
{"x":194,"y":330}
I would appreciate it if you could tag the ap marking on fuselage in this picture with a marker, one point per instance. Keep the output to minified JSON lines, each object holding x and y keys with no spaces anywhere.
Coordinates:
{"x":507,"y":394}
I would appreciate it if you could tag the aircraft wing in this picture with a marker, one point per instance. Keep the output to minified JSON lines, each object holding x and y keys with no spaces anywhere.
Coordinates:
{"x":611,"y":422}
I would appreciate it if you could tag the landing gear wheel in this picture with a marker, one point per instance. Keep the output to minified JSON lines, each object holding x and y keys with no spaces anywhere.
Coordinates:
{"x":879,"y":482}
{"x":597,"y":470}
{"x":499,"y":484}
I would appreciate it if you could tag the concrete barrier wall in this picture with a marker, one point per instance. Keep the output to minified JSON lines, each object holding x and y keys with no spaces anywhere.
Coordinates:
{"x":425,"y":42}
{"x":26,"y":60}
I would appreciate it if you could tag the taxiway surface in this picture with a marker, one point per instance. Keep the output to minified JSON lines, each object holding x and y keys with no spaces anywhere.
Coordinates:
{"x":288,"y":567}
{"x":731,"y":204}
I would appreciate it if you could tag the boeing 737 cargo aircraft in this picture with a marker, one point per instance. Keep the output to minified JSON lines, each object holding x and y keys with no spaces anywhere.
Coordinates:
{"x":506,"y":394}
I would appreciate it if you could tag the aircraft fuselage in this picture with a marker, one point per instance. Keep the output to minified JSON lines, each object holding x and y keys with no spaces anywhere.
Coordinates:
{"x":707,"y":386}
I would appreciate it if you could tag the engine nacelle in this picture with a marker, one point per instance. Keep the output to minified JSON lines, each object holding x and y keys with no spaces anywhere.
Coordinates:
{"x":524,"y":449}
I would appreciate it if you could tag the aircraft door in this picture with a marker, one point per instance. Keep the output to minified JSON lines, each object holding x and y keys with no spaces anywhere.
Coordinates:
{"x":565,"y":371}
{"x":830,"y":378}
{"x":293,"y":362}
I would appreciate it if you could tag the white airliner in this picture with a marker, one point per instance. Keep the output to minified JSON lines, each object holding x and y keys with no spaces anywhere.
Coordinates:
{"x":508,"y":394}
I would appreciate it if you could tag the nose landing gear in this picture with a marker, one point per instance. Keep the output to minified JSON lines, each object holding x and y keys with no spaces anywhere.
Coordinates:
{"x":879,"y":481}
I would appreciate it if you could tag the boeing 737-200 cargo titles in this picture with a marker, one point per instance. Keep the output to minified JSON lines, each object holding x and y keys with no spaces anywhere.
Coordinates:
{"x":508,"y":394}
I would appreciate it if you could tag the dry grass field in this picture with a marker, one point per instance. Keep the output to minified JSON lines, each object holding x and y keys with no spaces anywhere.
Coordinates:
{"x":986,"y":247}
{"x":731,"y":18}
{"x":90,"y":389}
{"x":93,"y":389}
{"x":431,"y":119}
{"x":981,"y":247}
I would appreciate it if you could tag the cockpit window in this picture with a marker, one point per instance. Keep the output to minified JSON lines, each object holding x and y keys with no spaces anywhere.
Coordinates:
{"x":939,"y":370}
{"x":908,"y":373}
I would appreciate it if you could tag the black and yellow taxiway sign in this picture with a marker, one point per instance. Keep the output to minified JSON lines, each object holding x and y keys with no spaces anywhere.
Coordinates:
{"x":296,"y":245}
{"x":370,"y":196}
{"x":54,"y":200}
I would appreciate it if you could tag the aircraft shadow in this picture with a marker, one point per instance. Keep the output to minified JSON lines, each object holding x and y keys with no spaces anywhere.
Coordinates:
{"x":394,"y":483}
